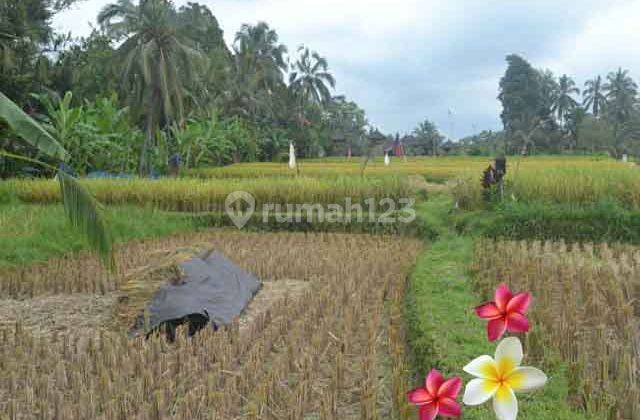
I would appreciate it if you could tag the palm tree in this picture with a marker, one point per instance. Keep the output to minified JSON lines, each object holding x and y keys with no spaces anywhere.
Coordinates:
{"x":258,"y":69}
{"x":574,"y":120}
{"x":310,"y":79}
{"x":428,"y":138}
{"x":258,"y":53}
{"x":593,"y":96}
{"x":564,"y":102}
{"x":621,"y":92}
{"x":157,"y":61}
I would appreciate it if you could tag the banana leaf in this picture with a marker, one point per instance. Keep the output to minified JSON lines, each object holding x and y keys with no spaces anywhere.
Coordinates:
{"x":29,"y":130}
{"x":82,"y":209}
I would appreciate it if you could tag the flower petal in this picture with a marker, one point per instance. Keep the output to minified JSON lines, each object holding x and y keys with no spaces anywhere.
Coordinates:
{"x":488,"y":310}
{"x":478,"y":391}
{"x":419,"y":396}
{"x":503,"y":296}
{"x":496,"y":328}
{"x":505,"y":404}
{"x":517,"y":323}
{"x":508,"y":355}
{"x":525,"y":379}
{"x":434,"y":381}
{"x":448,"y":407}
{"x":428,"y":411}
{"x":519,"y":303}
{"x":482,"y":367}
{"x":450,"y":388}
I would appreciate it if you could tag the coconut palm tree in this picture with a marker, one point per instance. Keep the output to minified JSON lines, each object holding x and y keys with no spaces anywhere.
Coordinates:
{"x":548,"y":96}
{"x":158,"y":63}
{"x":620,"y":91}
{"x":257,"y":73}
{"x":427,"y":139}
{"x":82,"y":210}
{"x":593,"y":96}
{"x":259,"y":54}
{"x":564,"y":102}
{"x":309,"y":82}
{"x":310,"y":78}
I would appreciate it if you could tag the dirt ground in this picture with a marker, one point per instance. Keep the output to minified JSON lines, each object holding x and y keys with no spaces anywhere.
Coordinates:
{"x":59,"y":314}
{"x":271,"y":292}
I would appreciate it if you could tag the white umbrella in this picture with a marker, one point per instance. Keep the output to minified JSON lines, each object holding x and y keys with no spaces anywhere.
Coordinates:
{"x":387,"y":159}
{"x":292,"y":156}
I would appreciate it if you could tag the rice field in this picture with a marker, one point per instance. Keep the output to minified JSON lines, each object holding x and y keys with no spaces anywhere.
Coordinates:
{"x":325,"y":339}
{"x":586,"y":310}
{"x":434,"y":169}
{"x":195,"y":195}
{"x":553,"y":179}
{"x":332,"y":349}
{"x":575,"y":181}
{"x":578,"y":185}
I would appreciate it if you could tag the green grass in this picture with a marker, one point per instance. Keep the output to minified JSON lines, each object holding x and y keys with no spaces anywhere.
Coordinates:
{"x":603,"y":221}
{"x":31,"y":233}
{"x":444,"y":332}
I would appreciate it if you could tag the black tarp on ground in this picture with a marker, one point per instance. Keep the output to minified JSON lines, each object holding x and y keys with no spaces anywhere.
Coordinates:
{"x":213,"y":289}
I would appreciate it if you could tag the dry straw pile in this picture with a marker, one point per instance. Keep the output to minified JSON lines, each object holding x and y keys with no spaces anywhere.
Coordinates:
{"x":333,"y":352}
{"x":586,"y":309}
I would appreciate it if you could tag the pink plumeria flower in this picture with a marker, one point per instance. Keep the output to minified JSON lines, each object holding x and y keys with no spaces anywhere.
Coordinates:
{"x":500,"y":378}
{"x":506,"y":313}
{"x":437,"y":397}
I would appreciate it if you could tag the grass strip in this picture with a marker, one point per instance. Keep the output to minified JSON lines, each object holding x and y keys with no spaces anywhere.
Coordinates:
{"x":32,"y":233}
{"x":444,"y":333}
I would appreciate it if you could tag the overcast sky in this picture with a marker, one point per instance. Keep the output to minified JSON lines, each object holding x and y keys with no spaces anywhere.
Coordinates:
{"x":407,"y":60}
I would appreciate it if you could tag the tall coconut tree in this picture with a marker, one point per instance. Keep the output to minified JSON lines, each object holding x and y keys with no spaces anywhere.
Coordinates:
{"x":621,"y":92}
{"x":310,"y":80}
{"x":260,"y":54}
{"x":549,"y":96}
{"x":257,"y":72}
{"x":564,"y":102}
{"x":593,"y":96}
{"x":158,"y":64}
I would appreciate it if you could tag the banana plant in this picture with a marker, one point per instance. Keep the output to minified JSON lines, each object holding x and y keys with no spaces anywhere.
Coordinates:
{"x":84,"y":212}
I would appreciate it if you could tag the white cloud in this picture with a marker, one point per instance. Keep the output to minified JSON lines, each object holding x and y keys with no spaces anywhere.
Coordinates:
{"x":407,"y":60}
{"x":607,"y":40}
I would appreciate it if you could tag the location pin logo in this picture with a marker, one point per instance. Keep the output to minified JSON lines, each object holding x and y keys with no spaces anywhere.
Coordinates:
{"x":239,"y":206}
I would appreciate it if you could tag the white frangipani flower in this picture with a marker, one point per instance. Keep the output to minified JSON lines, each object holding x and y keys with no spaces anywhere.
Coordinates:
{"x":500,"y":378}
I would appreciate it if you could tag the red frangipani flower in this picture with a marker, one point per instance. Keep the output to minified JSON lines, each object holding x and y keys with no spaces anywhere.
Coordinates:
{"x":437,"y":397}
{"x":506,"y":313}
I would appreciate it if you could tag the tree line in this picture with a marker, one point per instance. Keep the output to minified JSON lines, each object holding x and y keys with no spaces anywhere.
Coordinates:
{"x":153,"y":81}
{"x":543,"y":113}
